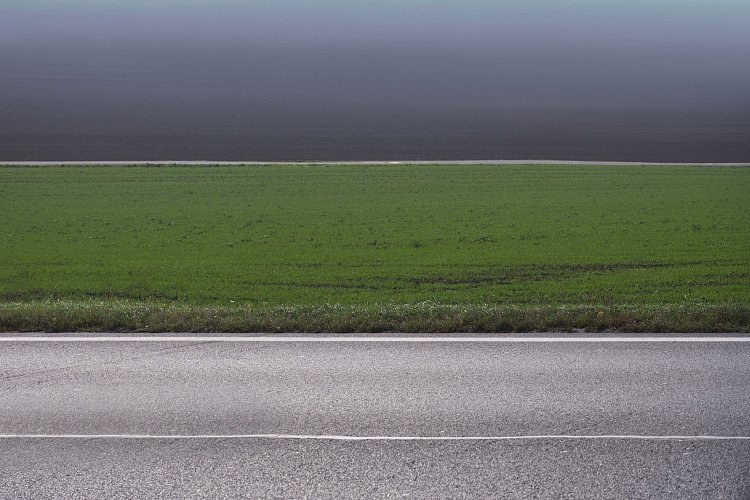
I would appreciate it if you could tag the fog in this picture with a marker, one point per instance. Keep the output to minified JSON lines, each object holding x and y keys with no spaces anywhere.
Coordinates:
{"x":331,"y":80}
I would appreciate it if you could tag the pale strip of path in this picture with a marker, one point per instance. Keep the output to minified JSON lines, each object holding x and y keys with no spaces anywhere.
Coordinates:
{"x":361,"y":162}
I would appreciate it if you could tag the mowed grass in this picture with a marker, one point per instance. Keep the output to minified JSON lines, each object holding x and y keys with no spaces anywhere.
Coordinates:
{"x":360,"y":242}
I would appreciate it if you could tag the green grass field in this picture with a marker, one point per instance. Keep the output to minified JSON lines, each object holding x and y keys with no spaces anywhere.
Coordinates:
{"x":368,"y":247}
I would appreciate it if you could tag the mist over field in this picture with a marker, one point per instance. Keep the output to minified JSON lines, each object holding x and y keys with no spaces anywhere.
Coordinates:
{"x":345,"y":80}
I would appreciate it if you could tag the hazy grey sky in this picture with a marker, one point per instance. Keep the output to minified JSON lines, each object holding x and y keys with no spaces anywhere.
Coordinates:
{"x":534,"y":55}
{"x":379,"y":21}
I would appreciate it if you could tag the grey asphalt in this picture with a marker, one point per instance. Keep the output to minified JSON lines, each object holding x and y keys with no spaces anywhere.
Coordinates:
{"x":374,"y":389}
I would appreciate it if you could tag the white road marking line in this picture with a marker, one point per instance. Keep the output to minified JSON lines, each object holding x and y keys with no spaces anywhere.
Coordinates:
{"x":333,"y":437}
{"x":280,"y":339}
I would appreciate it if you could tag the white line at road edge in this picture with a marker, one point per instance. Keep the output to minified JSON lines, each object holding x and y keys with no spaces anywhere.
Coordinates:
{"x":326,"y":437}
{"x":73,"y":338}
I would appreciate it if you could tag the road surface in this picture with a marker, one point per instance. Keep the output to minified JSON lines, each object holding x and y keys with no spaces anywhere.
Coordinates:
{"x":188,"y":417}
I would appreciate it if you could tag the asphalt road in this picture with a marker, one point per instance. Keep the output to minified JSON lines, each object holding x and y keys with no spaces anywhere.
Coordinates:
{"x":213,"y":420}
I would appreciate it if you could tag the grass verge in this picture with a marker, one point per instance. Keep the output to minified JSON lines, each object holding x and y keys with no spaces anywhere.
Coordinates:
{"x":348,"y":248}
{"x":428,"y":317}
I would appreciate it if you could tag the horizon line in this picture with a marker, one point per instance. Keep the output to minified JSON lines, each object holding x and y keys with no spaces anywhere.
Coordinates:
{"x":364,"y":162}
